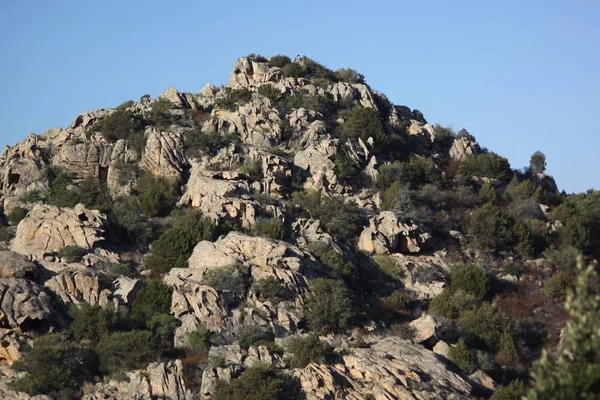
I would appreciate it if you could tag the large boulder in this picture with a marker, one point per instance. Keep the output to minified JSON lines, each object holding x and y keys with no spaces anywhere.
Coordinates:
{"x":47,"y":229}
{"x":316,"y":160}
{"x":11,"y":345}
{"x":161,"y":380}
{"x":74,"y":287}
{"x":426,"y":328}
{"x":218,"y":197}
{"x":391,"y":368}
{"x":256,"y":122}
{"x":194,"y":302}
{"x":248,"y":72}
{"x":386,"y":234}
{"x":85,"y":160}
{"x":349,"y":93}
{"x":463,"y":148}
{"x":164,"y":153}
{"x":266,"y":257}
{"x":25,"y":305}
{"x":14,"y":265}
{"x":20,"y":167}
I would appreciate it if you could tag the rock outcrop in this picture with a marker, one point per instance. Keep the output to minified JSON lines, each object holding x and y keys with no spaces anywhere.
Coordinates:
{"x":25,"y":305}
{"x":74,"y":287}
{"x":164,"y":153}
{"x":386,"y":234}
{"x":391,"y":368}
{"x":14,"y":265}
{"x":161,"y":380}
{"x":463,"y":147}
{"x":47,"y":229}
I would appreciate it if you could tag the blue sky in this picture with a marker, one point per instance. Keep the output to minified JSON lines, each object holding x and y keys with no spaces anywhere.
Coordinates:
{"x":519,"y":75}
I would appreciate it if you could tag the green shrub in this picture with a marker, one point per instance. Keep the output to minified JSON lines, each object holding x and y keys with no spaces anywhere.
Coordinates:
{"x":489,"y":165}
{"x":580,"y":215}
{"x":72,"y":254}
{"x":337,"y":266}
{"x":121,"y":124}
{"x":573,"y":369}
{"x":54,"y":367}
{"x":294,"y":70}
{"x":157,"y":194}
{"x":197,"y":143}
{"x":123,"y":351}
{"x":270,"y":92}
{"x":463,"y":357}
{"x":202,"y":338}
{"x":271,"y":228}
{"x":175,"y":245}
{"x":271,"y":288}
{"x":234,"y":98}
{"x":349,"y":75}
{"x":252,"y":169}
{"x":279,"y":61}
{"x":129,"y":221}
{"x":250,"y":335}
{"x":556,"y":287}
{"x":90,"y":322}
{"x":309,"y":349}
{"x":229,"y":278}
{"x":363,"y":123}
{"x":151,"y":300}
{"x":387,"y":265}
{"x":419,"y":171}
{"x":507,"y":352}
{"x":563,"y":259}
{"x":442,"y":305}
{"x":302,"y":99}
{"x":258,"y":383}
{"x":93,"y":194}
{"x":329,"y":307}
{"x":489,"y":229}
{"x":163,"y":328}
{"x":471,"y":279}
{"x":390,"y":174}
{"x":16,"y":215}
{"x":514,"y":391}
{"x":485,"y":322}
{"x":338,"y":217}
{"x":346,"y":169}
{"x":396,"y":302}
{"x":160,"y":114}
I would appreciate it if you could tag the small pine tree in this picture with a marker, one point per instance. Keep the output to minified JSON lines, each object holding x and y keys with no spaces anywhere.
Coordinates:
{"x":574,"y":373}
{"x":537,"y":163}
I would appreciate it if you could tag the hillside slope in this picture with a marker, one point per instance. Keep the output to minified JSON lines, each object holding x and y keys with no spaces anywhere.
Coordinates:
{"x":290,"y":234}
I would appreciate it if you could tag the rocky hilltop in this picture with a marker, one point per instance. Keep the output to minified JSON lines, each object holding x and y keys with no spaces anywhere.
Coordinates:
{"x":291,"y":234}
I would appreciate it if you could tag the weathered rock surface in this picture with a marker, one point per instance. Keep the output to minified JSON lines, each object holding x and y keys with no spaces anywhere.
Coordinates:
{"x":462,"y":148}
{"x":84,"y":159}
{"x":386,"y":234}
{"x":24,"y":305}
{"x":11,"y":344}
{"x":21,"y":167}
{"x":14,"y":265}
{"x":316,"y":160}
{"x":193,"y":302}
{"x":161,"y":380}
{"x":47,"y":229}
{"x":164,"y":153}
{"x":426,"y":328}
{"x":391,"y":368}
{"x":218,"y":197}
{"x":74,"y":287}
{"x":255,"y":122}
{"x":266,"y":257}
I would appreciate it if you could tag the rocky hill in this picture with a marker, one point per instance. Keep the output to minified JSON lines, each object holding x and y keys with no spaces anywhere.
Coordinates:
{"x":292,"y":234}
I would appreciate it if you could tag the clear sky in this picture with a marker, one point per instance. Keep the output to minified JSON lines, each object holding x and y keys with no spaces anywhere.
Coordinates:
{"x":520,"y":76}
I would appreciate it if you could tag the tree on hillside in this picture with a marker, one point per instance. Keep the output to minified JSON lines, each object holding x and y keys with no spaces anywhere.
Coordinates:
{"x":574,"y":373}
{"x":537,"y":163}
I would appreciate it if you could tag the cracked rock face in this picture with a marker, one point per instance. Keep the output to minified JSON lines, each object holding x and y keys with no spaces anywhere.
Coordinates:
{"x":24,"y":305}
{"x":392,"y":368}
{"x":14,"y":265}
{"x":161,"y":380}
{"x":386,"y":234}
{"x":47,"y":229}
